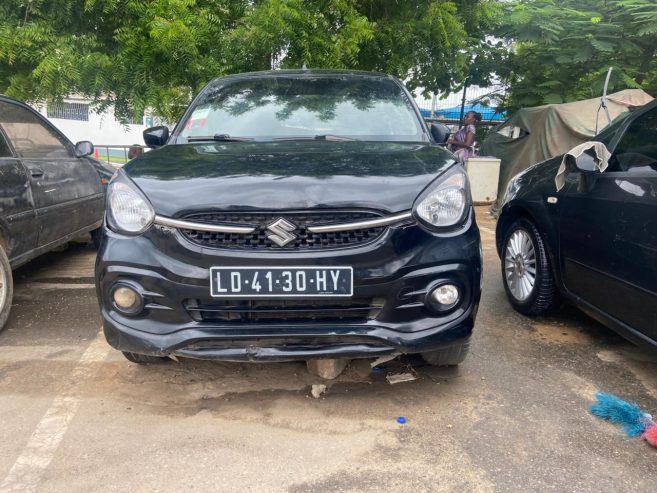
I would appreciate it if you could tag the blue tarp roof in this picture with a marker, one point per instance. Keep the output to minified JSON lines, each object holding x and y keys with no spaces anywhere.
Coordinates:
{"x":454,"y":113}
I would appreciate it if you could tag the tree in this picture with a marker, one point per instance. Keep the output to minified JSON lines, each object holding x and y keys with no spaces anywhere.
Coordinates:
{"x":138,"y":54}
{"x":129,"y":53}
{"x":429,"y":44}
{"x":561,"y":50}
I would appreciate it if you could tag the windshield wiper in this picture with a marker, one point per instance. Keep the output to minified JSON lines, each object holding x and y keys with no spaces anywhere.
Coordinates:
{"x":333,"y":138}
{"x":218,"y":138}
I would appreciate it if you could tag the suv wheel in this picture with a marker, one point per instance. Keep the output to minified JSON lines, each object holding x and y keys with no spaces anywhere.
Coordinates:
{"x":6,"y":287}
{"x":526,"y":272}
{"x":449,"y":356}
{"x":144,"y":358}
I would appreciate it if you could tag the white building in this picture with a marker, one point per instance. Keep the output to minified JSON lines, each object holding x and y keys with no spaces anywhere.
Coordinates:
{"x":77,"y":120}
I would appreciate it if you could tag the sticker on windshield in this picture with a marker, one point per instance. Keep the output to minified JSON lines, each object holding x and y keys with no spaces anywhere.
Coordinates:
{"x":200,"y":113}
{"x":198,"y":119}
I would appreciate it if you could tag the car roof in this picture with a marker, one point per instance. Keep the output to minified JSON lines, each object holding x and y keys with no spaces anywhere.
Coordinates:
{"x":9,"y":99}
{"x":623,"y":119}
{"x":311,"y":72}
{"x":300,"y":73}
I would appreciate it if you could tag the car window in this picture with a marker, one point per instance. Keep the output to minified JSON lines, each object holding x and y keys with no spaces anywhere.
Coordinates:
{"x":363,"y":108}
{"x":29,"y":135}
{"x":4,"y":148}
{"x":638,"y":147}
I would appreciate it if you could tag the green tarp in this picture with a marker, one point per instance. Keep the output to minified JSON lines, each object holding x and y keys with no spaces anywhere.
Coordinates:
{"x":550,"y":130}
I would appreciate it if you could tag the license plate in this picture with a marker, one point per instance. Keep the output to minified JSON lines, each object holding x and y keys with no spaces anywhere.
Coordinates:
{"x":272,"y":282}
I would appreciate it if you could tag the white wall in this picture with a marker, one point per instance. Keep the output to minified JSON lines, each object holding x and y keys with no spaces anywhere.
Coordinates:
{"x":101,"y":129}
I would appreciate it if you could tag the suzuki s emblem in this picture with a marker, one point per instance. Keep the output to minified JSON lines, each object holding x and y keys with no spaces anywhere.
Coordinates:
{"x":280,"y":232}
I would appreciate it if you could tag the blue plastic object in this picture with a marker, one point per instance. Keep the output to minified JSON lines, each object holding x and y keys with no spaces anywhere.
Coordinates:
{"x":401,"y":420}
{"x":376,"y":370}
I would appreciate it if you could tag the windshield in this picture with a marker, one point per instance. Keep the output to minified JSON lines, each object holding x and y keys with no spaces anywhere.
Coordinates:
{"x":281,"y":107}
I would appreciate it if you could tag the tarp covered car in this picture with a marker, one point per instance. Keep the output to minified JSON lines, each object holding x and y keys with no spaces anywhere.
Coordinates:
{"x":533,"y":135}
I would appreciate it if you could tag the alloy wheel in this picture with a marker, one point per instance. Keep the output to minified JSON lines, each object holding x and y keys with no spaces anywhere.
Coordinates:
{"x":3,"y":286}
{"x":520,"y":265}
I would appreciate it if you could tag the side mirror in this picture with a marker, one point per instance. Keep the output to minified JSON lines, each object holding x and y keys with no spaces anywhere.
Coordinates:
{"x":156,"y":136}
{"x":587,"y":161}
{"x":589,"y":158}
{"x":440,"y":133}
{"x":84,"y":148}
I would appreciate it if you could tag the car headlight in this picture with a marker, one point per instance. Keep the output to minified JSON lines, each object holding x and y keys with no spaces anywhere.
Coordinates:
{"x":510,"y":190}
{"x":444,"y":204}
{"x":128,"y":210}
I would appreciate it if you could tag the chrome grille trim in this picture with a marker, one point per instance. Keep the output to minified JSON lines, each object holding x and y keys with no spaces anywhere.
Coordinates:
{"x":213,"y":228}
{"x":370,"y":223}
{"x":224,"y":228}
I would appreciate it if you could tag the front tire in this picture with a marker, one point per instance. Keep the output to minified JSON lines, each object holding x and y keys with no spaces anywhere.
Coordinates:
{"x":144,"y":359}
{"x":6,"y":287}
{"x":526,"y":272}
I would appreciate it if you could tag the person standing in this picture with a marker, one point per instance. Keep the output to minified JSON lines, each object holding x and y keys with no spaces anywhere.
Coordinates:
{"x":462,"y":144}
{"x":135,"y":151}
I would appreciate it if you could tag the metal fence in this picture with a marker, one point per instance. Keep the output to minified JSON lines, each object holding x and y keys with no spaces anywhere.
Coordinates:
{"x":450,"y":108}
{"x":117,"y":155}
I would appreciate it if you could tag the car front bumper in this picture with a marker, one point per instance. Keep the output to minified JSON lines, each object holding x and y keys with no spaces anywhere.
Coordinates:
{"x":398,"y":270}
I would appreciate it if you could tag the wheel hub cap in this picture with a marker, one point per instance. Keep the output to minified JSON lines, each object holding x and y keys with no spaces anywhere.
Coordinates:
{"x":3,"y":287}
{"x":520,"y":265}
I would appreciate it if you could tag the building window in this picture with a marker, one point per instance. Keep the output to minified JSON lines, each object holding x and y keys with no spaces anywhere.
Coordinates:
{"x":69,"y":111}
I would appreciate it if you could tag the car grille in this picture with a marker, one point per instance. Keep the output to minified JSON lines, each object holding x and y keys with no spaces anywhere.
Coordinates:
{"x":305,"y":240}
{"x":284,"y":310}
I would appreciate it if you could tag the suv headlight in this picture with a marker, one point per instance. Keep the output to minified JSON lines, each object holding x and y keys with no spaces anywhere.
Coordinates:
{"x":128,"y":211}
{"x":444,"y":203}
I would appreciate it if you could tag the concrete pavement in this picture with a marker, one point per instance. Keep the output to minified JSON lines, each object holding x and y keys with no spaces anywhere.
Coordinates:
{"x":77,"y":417}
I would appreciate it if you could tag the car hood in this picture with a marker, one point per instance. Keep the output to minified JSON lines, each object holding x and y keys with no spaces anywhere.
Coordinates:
{"x":386,"y":176}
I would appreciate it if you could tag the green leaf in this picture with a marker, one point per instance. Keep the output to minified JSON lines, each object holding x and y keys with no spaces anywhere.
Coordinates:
{"x":584,"y":54}
{"x":549,"y":84}
{"x":601,"y":45}
{"x":552,"y":98}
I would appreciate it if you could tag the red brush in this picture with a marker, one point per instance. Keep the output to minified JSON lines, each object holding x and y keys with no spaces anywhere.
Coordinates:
{"x":650,"y":435}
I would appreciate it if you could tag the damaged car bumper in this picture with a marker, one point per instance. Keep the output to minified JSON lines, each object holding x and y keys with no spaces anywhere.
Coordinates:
{"x":392,"y":309}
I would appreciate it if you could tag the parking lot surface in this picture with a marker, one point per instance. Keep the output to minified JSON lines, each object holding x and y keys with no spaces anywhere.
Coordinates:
{"x":77,"y":417}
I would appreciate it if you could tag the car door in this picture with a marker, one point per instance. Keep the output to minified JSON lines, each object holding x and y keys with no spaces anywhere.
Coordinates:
{"x":608,"y":230}
{"x":18,"y":228}
{"x":66,"y":190}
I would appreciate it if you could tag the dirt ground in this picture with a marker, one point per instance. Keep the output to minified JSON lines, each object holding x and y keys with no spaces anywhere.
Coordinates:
{"x":77,"y":417}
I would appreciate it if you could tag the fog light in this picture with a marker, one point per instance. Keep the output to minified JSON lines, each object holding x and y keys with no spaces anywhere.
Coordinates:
{"x":446,"y":295}
{"x":126,"y":299}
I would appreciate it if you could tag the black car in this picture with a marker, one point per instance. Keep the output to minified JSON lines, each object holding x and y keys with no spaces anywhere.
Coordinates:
{"x":594,"y":242}
{"x":50,"y":191}
{"x":292,"y":215}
